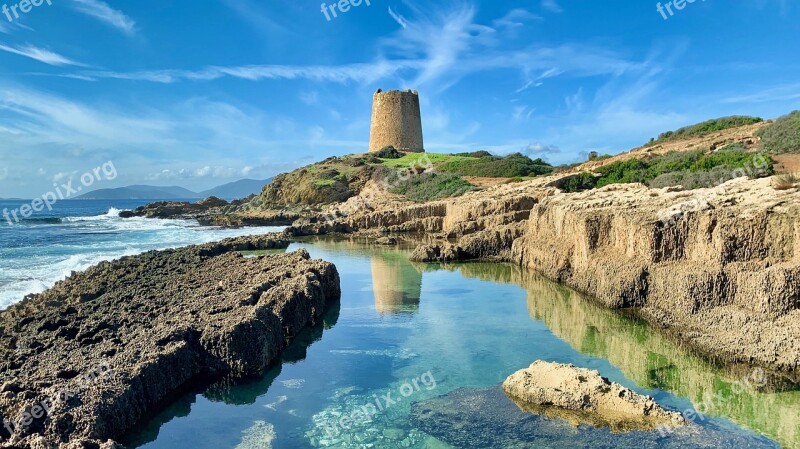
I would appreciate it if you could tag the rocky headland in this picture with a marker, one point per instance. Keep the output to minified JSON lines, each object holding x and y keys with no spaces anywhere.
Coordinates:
{"x":213,"y":211}
{"x":88,"y":359}
{"x":718,"y":267}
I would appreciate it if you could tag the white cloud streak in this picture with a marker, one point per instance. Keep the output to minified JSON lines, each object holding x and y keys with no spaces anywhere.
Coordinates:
{"x":105,"y":13}
{"x":40,"y":54}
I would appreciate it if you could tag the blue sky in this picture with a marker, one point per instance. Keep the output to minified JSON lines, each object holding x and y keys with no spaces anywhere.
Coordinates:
{"x":198,"y":93}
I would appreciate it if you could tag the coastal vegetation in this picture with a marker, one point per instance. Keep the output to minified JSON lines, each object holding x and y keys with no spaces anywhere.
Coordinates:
{"x":689,"y":169}
{"x":417,"y":176}
{"x":706,"y":127}
{"x":478,"y":164}
{"x":430,"y":186}
{"x":782,"y":136}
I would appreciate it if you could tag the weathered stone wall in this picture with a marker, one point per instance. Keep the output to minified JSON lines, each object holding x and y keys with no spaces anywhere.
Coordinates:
{"x":396,"y":121}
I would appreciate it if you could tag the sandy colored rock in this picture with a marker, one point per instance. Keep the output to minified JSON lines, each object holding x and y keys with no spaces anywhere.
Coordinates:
{"x":582,"y":396}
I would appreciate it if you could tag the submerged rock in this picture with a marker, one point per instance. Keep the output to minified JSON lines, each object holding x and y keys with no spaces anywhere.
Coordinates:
{"x":582,"y":396}
{"x":260,"y":436}
{"x":486,"y":418}
{"x":88,"y":359}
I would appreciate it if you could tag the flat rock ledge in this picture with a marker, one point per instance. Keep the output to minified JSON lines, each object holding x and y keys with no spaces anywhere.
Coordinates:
{"x":582,"y":396}
{"x":85,"y":361}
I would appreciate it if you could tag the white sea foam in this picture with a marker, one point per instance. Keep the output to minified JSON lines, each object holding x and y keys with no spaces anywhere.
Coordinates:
{"x":36,"y":267}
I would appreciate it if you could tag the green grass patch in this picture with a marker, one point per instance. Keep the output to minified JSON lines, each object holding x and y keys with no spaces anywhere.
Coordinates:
{"x":707,"y":127}
{"x":324,"y":182}
{"x":431,"y":186}
{"x":511,"y":166}
{"x":479,"y":164}
{"x":422,"y":159}
{"x":783,"y":136}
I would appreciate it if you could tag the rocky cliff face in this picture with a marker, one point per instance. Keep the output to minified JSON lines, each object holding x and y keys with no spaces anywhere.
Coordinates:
{"x":724,"y":275}
{"x":89,"y":358}
{"x":719,"y":267}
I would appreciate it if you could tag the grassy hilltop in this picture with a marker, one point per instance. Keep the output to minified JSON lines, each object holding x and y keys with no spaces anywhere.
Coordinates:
{"x":697,"y":156}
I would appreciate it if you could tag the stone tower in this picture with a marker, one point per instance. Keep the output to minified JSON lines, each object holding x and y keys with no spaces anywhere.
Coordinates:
{"x":396,"y":121}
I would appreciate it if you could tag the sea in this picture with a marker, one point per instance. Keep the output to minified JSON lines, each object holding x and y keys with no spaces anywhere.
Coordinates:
{"x":37,"y":252}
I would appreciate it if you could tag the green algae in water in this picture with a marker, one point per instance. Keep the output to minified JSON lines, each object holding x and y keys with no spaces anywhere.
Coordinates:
{"x":470,"y":325}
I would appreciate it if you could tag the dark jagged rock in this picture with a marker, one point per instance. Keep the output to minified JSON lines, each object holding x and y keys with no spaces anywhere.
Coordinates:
{"x":213,"y":211}
{"x":444,"y":252}
{"x":387,"y":241}
{"x":109,"y":344}
{"x":177,"y":209}
{"x":482,"y":418}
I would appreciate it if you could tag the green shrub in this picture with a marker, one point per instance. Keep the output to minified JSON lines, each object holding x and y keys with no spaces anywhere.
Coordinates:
{"x":431,"y":186}
{"x":497,"y":167}
{"x":689,"y":180}
{"x":578,"y":183}
{"x":690,"y":169}
{"x":623,"y":172}
{"x":481,"y":153}
{"x":594,"y":156}
{"x":706,"y":127}
{"x":783,"y":136}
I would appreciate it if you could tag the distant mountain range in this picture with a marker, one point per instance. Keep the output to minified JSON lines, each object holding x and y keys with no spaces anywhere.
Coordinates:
{"x":230,"y":191}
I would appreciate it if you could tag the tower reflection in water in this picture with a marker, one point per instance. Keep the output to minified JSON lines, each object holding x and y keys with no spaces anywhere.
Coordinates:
{"x":397,"y":283}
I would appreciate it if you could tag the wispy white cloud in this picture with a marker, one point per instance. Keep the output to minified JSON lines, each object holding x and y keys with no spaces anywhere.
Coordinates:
{"x":516,"y":18}
{"x":434,"y":50}
{"x":522,"y":113}
{"x":398,"y":18}
{"x":40,"y":54}
{"x":206,"y":171}
{"x":552,"y":6}
{"x":253,"y":14}
{"x":770,"y":94}
{"x":365,"y":73}
{"x":105,"y":13}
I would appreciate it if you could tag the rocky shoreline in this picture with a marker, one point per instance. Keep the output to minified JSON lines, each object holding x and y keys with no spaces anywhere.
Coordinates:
{"x":718,"y":268}
{"x":213,"y":211}
{"x":88,"y":359}
{"x":721,"y":273}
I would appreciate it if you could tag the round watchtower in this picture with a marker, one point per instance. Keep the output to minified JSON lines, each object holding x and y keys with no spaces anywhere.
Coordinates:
{"x":396,"y":121}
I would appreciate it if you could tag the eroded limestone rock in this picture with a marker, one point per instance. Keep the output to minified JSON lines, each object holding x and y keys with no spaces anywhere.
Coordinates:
{"x":582,"y":396}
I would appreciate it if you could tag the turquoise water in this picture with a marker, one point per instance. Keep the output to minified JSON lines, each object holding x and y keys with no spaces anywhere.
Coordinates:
{"x":418,"y":332}
{"x":77,"y":234}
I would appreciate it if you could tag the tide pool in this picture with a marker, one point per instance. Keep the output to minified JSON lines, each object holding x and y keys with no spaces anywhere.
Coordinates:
{"x":434,"y":335}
